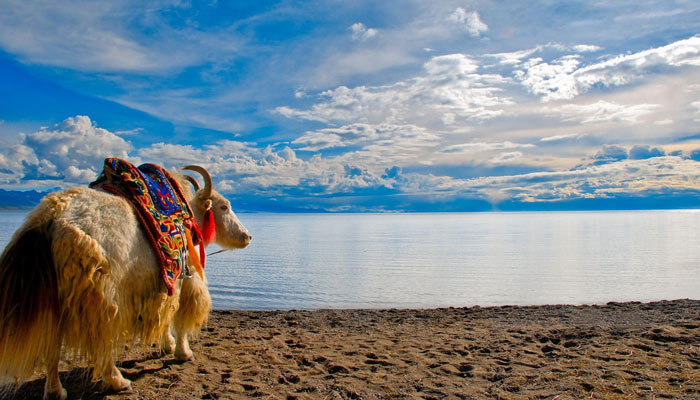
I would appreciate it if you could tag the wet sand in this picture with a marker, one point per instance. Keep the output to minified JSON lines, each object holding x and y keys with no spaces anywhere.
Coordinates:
{"x":616,"y":351}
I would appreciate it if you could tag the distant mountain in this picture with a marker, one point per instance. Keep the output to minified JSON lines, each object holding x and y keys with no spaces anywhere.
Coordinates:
{"x":20,"y":200}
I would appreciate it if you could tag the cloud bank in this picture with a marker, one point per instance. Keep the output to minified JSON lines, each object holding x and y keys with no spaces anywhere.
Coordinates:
{"x":65,"y":155}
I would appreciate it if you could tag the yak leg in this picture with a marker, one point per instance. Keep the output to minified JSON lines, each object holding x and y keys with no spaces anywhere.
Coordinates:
{"x":53,"y":389}
{"x":167,"y":342}
{"x":113,"y":379}
{"x":193,"y":311}
{"x":182,"y":348}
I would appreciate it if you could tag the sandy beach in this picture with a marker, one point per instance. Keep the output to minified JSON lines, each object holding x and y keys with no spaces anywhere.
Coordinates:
{"x":616,"y":351}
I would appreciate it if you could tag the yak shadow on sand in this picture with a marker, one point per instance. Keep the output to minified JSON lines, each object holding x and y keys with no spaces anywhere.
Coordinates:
{"x":77,"y":380}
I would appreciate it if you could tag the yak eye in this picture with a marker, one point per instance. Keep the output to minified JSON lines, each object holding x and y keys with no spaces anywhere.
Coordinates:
{"x":224,"y":208}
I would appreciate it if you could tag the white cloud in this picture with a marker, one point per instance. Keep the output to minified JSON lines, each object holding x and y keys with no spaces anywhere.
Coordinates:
{"x":514,"y":57}
{"x":347,"y":135}
{"x":476,"y":147}
{"x":565,"y":79}
{"x":554,"y":138}
{"x":627,"y":177}
{"x":603,"y":111}
{"x":75,"y":174}
{"x":245,"y":168}
{"x":129,"y":132}
{"x":586,"y":48}
{"x":13,"y":161}
{"x":72,"y":150}
{"x":506,"y":157}
{"x":517,"y":57}
{"x":554,"y":80}
{"x":470,"y":20}
{"x":361,"y":33}
{"x":450,"y":84}
{"x":373,"y":146}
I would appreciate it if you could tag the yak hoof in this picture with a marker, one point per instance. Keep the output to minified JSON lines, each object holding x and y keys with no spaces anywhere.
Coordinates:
{"x":118,"y":384}
{"x":61,"y":395}
{"x":185,"y":355}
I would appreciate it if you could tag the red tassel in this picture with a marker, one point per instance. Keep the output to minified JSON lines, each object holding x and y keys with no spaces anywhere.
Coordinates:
{"x":209,"y":227}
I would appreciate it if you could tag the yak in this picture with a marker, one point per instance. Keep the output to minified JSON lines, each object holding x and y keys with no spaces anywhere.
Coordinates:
{"x":79,"y":279}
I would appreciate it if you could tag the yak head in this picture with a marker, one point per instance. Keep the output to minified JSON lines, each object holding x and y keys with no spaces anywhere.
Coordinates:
{"x":230,"y":233}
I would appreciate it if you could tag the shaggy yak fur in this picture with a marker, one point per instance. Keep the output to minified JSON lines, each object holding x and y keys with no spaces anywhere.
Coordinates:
{"x":79,"y":279}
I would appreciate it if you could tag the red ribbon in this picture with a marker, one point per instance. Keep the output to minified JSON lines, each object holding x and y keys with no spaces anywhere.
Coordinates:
{"x":209,"y":227}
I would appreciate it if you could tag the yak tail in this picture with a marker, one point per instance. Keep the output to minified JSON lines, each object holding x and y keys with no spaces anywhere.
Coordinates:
{"x":29,"y":304}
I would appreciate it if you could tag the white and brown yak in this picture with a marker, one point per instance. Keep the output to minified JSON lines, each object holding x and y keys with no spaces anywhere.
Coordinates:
{"x":79,"y":279}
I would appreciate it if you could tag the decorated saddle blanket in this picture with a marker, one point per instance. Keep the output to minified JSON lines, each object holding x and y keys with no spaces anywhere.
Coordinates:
{"x":164,"y":213}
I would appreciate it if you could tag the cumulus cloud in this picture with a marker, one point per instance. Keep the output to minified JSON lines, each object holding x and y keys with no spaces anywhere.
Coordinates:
{"x":59,"y":154}
{"x":610,"y":153}
{"x":641,"y":152}
{"x":361,"y":33}
{"x":551,"y":80}
{"x":622,"y":177}
{"x":469,"y":20}
{"x":244,"y":168}
{"x":603,"y":111}
{"x":72,"y":150}
{"x":457,"y":100}
{"x":240,"y":167}
{"x":13,"y":161}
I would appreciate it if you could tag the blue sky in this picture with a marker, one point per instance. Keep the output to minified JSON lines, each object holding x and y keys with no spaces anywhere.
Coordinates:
{"x":362,"y":105}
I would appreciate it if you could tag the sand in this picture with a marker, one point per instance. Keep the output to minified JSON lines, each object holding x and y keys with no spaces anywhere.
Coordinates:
{"x":616,"y":351}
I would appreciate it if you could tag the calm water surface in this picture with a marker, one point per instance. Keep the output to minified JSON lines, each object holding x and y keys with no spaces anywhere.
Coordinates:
{"x":307,"y":261}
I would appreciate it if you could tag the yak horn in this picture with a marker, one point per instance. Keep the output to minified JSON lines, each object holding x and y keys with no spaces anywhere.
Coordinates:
{"x":193,"y":182}
{"x":206,"y":193}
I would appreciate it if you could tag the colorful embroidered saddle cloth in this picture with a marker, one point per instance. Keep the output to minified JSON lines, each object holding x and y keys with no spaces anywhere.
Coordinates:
{"x":162,"y":209}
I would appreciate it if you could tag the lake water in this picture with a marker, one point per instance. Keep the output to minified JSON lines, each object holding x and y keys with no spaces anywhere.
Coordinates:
{"x":309,"y":261}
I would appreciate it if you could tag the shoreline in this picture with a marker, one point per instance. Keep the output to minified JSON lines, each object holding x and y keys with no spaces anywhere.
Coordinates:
{"x":615,"y":350}
{"x":448,"y":307}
